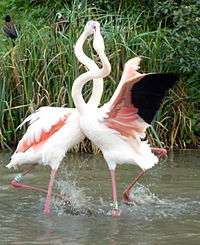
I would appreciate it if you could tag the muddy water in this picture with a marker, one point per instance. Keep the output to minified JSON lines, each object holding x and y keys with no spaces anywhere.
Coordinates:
{"x":167,"y":209}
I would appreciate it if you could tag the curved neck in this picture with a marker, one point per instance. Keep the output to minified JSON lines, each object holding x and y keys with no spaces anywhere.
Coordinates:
{"x":84,"y":78}
{"x":97,"y":89}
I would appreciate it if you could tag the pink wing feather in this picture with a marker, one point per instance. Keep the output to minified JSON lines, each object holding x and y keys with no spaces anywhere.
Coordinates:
{"x":43,"y":124}
{"x":122,"y":115}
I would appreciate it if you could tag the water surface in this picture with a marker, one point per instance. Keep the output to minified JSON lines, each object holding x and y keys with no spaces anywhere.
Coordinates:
{"x":167,"y":209}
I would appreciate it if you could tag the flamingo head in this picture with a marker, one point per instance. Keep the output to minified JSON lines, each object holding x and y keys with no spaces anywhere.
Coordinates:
{"x":98,"y":42}
{"x":91,"y":27}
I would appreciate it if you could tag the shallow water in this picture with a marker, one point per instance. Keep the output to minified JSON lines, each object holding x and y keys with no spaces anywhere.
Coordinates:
{"x":167,"y":209}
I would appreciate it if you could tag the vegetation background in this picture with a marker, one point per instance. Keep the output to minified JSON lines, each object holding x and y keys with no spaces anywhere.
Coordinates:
{"x":41,"y":68}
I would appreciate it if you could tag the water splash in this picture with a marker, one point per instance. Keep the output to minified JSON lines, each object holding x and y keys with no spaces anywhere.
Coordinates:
{"x":79,"y":202}
{"x":143,"y":195}
{"x":146,"y":206}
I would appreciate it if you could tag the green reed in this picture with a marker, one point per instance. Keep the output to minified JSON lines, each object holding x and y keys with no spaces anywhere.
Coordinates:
{"x":41,"y":68}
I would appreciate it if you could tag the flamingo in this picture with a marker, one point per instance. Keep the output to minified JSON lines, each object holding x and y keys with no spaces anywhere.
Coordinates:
{"x":53,"y":131}
{"x":118,"y":128}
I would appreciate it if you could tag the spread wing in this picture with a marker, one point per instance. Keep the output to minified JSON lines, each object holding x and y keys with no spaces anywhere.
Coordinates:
{"x":136,"y":100}
{"x":148,"y":93}
{"x":42,"y":124}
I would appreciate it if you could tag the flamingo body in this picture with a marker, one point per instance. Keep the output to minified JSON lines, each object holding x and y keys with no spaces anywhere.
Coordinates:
{"x":54,"y":130}
{"x":116,"y":148}
{"x":51,"y":133}
{"x":119,"y":127}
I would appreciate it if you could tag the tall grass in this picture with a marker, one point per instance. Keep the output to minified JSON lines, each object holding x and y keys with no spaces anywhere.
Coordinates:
{"x":41,"y":68}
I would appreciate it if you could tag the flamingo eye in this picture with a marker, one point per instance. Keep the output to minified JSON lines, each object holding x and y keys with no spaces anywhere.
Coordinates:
{"x":94,"y":27}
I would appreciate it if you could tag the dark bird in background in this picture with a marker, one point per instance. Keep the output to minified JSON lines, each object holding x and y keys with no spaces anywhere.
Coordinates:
{"x":61,"y":23}
{"x":10,"y":29}
{"x":197,"y":127}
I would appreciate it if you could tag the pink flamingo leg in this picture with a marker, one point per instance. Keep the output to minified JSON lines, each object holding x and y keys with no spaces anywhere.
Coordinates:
{"x":49,"y":193}
{"x":126,"y":193}
{"x":115,"y":211}
{"x":17,"y":183}
{"x":161,"y":152}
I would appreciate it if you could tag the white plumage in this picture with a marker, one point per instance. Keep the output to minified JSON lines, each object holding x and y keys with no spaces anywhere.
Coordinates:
{"x":53,"y":131}
{"x":117,"y":127}
{"x":116,"y":148}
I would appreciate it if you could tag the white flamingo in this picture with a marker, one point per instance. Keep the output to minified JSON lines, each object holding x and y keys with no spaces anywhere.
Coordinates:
{"x":118,"y":128}
{"x":53,"y":130}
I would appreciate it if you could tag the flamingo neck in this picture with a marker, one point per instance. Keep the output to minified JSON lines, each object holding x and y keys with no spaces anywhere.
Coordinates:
{"x":97,"y":89}
{"x":84,"y":78}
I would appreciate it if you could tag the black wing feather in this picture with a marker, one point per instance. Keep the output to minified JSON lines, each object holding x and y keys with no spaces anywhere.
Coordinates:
{"x":148,"y":93}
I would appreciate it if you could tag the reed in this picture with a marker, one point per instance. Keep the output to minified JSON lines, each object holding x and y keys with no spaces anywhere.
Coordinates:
{"x":41,"y":68}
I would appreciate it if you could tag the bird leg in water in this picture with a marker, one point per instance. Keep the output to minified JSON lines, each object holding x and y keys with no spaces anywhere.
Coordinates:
{"x":115,"y":211}
{"x":49,"y":193}
{"x":17,"y":183}
{"x":126,"y":193}
{"x":160,"y":152}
